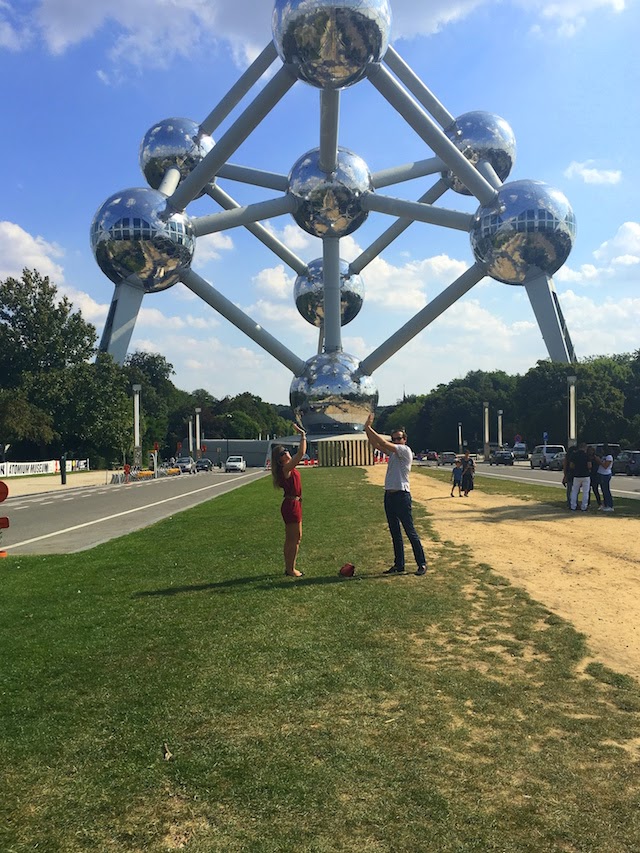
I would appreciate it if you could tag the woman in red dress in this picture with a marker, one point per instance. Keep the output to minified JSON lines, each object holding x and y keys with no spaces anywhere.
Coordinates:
{"x":285,"y":476}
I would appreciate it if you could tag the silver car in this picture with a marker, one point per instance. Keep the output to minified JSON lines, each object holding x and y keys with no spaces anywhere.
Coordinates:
{"x":235,"y":463}
{"x":186,"y":464}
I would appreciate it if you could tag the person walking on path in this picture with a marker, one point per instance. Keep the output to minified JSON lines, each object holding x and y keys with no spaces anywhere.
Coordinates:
{"x":468,"y":470}
{"x":456,"y":478}
{"x":285,"y":477}
{"x":397,"y":496}
{"x":604,"y":475}
{"x":581,"y":477}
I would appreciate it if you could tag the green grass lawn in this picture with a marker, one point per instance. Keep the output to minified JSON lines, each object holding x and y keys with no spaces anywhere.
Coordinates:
{"x":446,"y":713}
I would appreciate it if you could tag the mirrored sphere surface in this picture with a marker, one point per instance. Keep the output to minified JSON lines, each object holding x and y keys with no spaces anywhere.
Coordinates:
{"x":482,"y":136}
{"x":173,"y":142}
{"x":331,"y":42}
{"x":329,"y":205}
{"x":332,"y":396}
{"x":528,"y":230}
{"x":308,"y":293}
{"x":137,"y":237}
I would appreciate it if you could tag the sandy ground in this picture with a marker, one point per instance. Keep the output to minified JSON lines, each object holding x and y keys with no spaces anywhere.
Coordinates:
{"x":19,"y":486}
{"x":583,"y":566}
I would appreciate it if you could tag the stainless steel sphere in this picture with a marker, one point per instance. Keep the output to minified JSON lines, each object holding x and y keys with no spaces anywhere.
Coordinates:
{"x":331,"y":42}
{"x":332,"y":396}
{"x":329,"y":205}
{"x":172,"y":142}
{"x":529,"y":229}
{"x":482,"y":136}
{"x":308,"y":293}
{"x":137,"y":237}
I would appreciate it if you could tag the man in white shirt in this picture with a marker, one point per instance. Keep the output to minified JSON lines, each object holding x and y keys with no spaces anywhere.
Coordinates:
{"x":397,"y":497}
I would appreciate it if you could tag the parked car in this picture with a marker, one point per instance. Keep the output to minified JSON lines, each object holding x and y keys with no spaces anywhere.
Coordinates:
{"x":520,"y":450}
{"x":633,"y":466}
{"x":204,"y":464}
{"x":447,"y":458}
{"x":556,"y":463}
{"x":235,"y":463}
{"x":623,"y":460}
{"x":186,"y":464}
{"x":432,"y":456}
{"x":502,"y":457}
{"x":542,"y":454}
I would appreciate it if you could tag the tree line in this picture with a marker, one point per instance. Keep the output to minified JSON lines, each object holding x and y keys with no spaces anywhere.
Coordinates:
{"x":58,"y":394}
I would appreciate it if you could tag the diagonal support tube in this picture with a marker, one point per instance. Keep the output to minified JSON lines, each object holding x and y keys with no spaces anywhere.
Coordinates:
{"x":244,"y":125}
{"x":395,"y":230}
{"x":546,"y":306}
{"x":423,"y":318}
{"x":242,"y":321}
{"x":332,"y":313}
{"x":259,"y":231}
{"x":408,"y":172}
{"x":329,"y":120}
{"x":417,"y":211}
{"x":214,"y":222}
{"x":415,"y":85}
{"x":240,"y":88}
{"x":428,"y":130}
{"x":257,"y":177}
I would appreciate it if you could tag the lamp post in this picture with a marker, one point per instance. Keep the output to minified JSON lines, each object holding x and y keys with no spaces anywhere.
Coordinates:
{"x":230,"y":416}
{"x":198,"y":440}
{"x":572,"y":424}
{"x":459,"y":437}
{"x":137,"y":447}
{"x":485,"y":407}
{"x":190,"y":436}
{"x":500,"y":413}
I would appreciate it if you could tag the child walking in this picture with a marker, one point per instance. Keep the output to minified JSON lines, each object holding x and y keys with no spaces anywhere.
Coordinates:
{"x":456,"y":478}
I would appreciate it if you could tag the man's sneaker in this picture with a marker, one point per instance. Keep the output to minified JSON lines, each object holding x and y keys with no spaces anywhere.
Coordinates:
{"x":607,"y":509}
{"x":422,"y":570}
{"x":393,"y":571}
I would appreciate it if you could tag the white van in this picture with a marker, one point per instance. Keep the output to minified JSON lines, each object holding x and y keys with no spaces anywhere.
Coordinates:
{"x":542,"y":454}
{"x":520,"y":450}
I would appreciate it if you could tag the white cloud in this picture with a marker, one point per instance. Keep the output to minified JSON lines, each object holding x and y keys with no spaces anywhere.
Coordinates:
{"x":154,"y":32}
{"x":275,"y":282}
{"x":618,"y":259}
{"x":625,"y":242}
{"x":209,"y":247}
{"x":15,"y":33}
{"x":590,"y":175}
{"x":19,"y":249}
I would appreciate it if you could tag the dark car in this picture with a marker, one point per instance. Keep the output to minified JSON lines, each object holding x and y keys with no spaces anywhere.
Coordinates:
{"x":501,"y":457}
{"x":633,"y":463}
{"x":204,"y":464}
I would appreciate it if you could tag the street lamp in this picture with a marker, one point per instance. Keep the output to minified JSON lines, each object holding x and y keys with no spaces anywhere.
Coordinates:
{"x":500,"y":413}
{"x":572,"y":425}
{"x":198,"y":440}
{"x":190,"y":435}
{"x":485,"y":407}
{"x":459,"y":437}
{"x":137,"y":447}
{"x":230,"y":416}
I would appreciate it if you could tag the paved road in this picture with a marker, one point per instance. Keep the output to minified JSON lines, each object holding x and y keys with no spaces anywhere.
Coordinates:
{"x":621,"y":485}
{"x":65,"y":521}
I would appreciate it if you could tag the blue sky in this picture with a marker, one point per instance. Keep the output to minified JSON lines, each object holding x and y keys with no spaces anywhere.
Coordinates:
{"x":85,"y":81}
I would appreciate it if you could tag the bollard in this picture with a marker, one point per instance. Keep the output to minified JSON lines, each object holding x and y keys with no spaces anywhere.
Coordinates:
{"x":63,"y":469}
{"x":4,"y":521}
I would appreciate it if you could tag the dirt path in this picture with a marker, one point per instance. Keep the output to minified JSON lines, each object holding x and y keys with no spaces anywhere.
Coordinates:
{"x":556,"y":557}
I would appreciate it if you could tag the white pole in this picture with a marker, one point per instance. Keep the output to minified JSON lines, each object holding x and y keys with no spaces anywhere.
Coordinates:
{"x":137,"y":448}
{"x":198,"y":439}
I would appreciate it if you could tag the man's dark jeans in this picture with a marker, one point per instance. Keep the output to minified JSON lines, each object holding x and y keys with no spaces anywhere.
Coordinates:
{"x":397,"y":506}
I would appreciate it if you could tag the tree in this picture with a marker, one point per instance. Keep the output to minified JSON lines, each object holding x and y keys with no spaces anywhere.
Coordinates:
{"x":23,"y":423}
{"x":39,"y":332}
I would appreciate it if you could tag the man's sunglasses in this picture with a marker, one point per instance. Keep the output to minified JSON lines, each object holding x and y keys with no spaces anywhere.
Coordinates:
{"x":397,"y":437}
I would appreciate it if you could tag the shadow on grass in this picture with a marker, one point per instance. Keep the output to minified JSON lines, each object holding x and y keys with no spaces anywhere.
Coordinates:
{"x":257,"y":582}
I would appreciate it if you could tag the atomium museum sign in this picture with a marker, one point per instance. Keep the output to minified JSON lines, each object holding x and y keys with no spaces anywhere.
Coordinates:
{"x":144,"y":240}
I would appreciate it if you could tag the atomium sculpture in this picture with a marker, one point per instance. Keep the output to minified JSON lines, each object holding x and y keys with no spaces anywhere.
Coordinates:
{"x":521,"y":233}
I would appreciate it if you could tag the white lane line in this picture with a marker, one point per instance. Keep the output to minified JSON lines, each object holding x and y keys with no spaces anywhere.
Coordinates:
{"x":119,"y":514}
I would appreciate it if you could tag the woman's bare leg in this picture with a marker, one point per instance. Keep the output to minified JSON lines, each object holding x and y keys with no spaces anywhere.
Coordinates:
{"x":292,"y":537}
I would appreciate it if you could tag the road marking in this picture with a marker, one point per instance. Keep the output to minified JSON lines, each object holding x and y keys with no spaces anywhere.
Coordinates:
{"x":121,"y":514}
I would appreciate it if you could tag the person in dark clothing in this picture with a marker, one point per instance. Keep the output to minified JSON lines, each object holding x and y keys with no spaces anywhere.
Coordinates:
{"x":595,"y":478}
{"x":581,"y":477}
{"x":468,"y":470}
{"x":567,"y":473}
